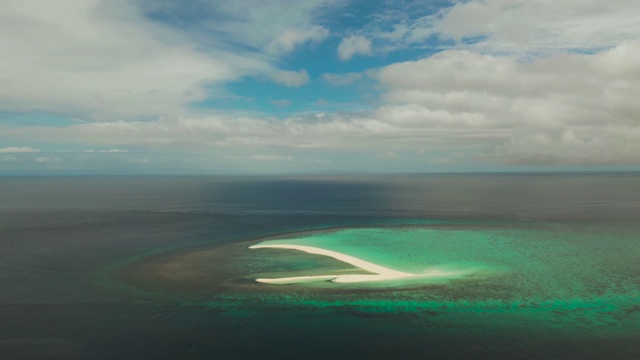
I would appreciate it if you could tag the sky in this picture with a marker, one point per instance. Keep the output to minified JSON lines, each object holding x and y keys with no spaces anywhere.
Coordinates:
{"x":318,"y":86}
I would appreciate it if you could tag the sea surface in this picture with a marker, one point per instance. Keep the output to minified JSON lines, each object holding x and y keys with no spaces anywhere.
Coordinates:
{"x":158,"y":267}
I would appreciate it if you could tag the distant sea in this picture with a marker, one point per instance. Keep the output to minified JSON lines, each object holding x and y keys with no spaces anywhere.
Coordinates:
{"x":112,"y":267}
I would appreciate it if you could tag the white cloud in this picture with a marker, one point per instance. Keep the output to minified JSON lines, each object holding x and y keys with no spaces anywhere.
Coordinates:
{"x":282,"y":103}
{"x":101,"y":58}
{"x":341,"y":79}
{"x":105,"y":151}
{"x":114,"y":151}
{"x":394,"y":127}
{"x":353,"y":45}
{"x":268,"y":157}
{"x":528,"y":28}
{"x":291,"y":78}
{"x":541,"y":85}
{"x":260,"y":22}
{"x":525,"y":27}
{"x":18,"y":150}
{"x":389,"y":155}
{"x":291,"y":38}
{"x":561,"y":110}
{"x":542,"y":26}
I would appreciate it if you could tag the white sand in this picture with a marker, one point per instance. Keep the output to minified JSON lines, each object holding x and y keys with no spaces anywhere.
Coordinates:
{"x":381,"y":273}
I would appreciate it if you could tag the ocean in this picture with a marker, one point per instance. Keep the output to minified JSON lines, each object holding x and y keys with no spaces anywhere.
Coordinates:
{"x":158,"y":267}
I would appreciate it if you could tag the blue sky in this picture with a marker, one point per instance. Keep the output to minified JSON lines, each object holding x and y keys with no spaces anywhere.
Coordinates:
{"x":257,"y":86}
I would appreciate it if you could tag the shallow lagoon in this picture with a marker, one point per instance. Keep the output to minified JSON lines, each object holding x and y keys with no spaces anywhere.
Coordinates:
{"x":160,"y":268}
{"x":532,"y":263}
{"x":536,"y":278}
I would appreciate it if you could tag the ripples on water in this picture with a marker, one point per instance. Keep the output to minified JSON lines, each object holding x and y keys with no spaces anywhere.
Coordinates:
{"x":65,"y":244}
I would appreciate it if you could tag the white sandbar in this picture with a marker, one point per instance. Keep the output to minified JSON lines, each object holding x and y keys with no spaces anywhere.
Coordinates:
{"x":381,"y":273}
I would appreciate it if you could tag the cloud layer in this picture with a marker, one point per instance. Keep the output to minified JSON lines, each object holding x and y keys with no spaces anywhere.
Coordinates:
{"x":290,"y":78}
{"x":561,"y":110}
{"x":353,"y":45}
{"x":291,"y":38}
{"x":502,"y":83}
{"x":18,"y":150}
{"x":101,"y":59}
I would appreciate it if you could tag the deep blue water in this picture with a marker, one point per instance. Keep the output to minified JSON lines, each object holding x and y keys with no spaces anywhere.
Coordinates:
{"x":61,"y":236}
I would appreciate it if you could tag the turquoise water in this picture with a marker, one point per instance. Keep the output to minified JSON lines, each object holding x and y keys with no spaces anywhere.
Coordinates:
{"x":547,"y":267}
{"x":534,"y":263}
{"x":526,"y":278}
{"x":518,"y":286}
{"x":540,"y":279}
